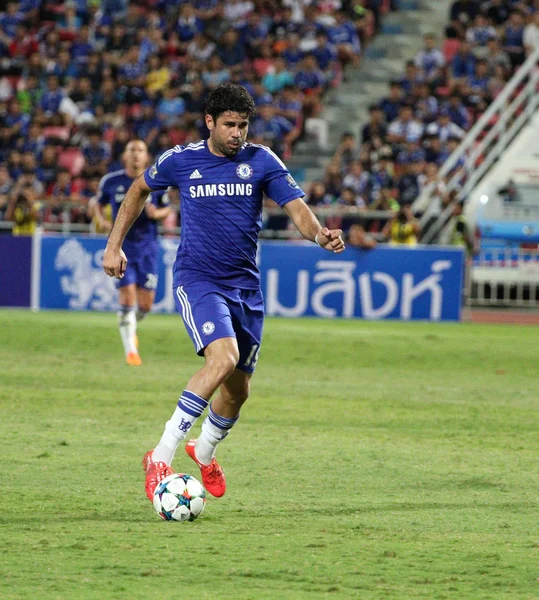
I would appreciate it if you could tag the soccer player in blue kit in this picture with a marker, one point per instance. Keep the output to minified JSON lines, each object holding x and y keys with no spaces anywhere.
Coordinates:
{"x":222,"y":181}
{"x":137,"y":287}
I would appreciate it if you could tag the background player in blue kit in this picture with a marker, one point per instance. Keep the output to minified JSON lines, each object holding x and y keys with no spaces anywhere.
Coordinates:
{"x":222,"y":182}
{"x":137,"y":286}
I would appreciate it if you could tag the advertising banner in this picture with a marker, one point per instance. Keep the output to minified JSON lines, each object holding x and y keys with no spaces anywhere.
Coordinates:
{"x":15,"y":270}
{"x":298,"y":279}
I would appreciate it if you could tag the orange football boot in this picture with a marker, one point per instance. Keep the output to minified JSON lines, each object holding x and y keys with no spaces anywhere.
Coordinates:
{"x":213,"y":477}
{"x":155,"y":473}
{"x":133,"y":359}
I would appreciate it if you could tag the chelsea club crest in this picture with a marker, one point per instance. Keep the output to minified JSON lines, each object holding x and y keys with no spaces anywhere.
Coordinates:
{"x":244,"y":171}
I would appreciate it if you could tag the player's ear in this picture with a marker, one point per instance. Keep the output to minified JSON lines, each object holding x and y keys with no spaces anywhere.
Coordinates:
{"x":209,"y":122}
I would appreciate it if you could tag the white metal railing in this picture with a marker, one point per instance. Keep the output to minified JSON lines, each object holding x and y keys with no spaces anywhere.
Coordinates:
{"x":485,"y":142}
{"x":506,"y":277}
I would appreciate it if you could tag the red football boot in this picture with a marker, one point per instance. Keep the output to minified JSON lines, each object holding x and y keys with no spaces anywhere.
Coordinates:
{"x":155,"y":472}
{"x":213,"y":477}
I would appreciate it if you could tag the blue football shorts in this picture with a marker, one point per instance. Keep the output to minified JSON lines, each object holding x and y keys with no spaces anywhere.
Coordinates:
{"x":211,"y":312}
{"x":141,"y":269}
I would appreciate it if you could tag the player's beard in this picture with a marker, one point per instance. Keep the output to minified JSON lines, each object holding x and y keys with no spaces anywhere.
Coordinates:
{"x":226,"y":148}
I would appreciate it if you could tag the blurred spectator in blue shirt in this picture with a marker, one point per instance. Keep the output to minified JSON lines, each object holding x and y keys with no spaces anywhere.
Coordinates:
{"x":344,"y":37}
{"x":293,"y":54}
{"x":170,"y":108}
{"x":230,"y":49}
{"x":458,"y":112}
{"x":96,"y":154}
{"x":188,"y":24}
{"x":391,"y":104}
{"x":430,"y":59}
{"x":254,"y":33}
{"x":463,"y":64}
{"x":270,"y":129}
{"x":215,"y":73}
{"x":278,"y":77}
{"x":514,"y":38}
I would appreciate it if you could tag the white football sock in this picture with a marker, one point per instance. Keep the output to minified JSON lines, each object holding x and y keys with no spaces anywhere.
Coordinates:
{"x":190,"y":407}
{"x":127,"y":322}
{"x":214,"y":430}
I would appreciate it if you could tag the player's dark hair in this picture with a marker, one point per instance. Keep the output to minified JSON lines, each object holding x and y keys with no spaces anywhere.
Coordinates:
{"x":230,"y":97}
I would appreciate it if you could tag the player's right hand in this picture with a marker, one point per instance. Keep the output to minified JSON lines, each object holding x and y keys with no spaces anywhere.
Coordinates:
{"x":114,"y":262}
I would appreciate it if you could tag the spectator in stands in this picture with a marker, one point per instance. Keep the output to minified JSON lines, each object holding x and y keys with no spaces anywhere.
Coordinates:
{"x":358,"y":180}
{"x":171,"y":107}
{"x":391,"y":105}
{"x":405,"y":127}
{"x":514,"y":38}
{"x":347,"y":152}
{"x":496,"y":56}
{"x":375,"y":126}
{"x":408,"y":184}
{"x":278,"y":77}
{"x":200,"y":47}
{"x":460,"y":231}
{"x":216,"y":73}
{"x":16,"y":123}
{"x":426,"y":105}
{"x":51,"y":101}
{"x":254,"y":33}
{"x":531,"y":34}
{"x":317,"y":195}
{"x":344,"y":37}
{"x":444,"y":128}
{"x":271,"y":129}
{"x":348,"y":198}
{"x":47,"y":170}
{"x":325,"y":54}
{"x":480,"y":32}
{"x":158,"y":76}
{"x":458,"y":113}
{"x":188,"y":24}
{"x":462,"y":13}
{"x":293,"y":54}
{"x":411,"y":78}
{"x":430,"y":60}
{"x":463,"y":65}
{"x":289,"y":106}
{"x":24,"y":212}
{"x":96,"y":154}
{"x":476,"y":87}
{"x":359,"y":238}
{"x":403,"y":228}
{"x":231,"y":50}
{"x":146,"y":125}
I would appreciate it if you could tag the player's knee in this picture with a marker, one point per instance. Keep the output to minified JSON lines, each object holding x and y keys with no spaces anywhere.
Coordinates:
{"x":224,"y":363}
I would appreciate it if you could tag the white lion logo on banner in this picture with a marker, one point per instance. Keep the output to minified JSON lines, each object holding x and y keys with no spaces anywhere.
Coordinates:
{"x":88,"y":285}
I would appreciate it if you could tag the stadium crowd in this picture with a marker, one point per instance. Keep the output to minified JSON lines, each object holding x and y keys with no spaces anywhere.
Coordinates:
{"x":444,"y":89}
{"x":79,"y":79}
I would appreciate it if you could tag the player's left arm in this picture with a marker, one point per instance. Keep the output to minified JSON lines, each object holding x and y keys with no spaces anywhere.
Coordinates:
{"x":309,"y":227}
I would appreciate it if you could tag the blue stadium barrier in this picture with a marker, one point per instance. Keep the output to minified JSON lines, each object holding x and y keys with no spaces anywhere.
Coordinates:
{"x":298,"y":279}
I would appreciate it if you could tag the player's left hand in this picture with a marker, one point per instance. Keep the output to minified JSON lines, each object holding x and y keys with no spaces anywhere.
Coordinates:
{"x":330,"y":239}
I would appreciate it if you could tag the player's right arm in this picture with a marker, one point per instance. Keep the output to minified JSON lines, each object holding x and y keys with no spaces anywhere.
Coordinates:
{"x":114,"y":259}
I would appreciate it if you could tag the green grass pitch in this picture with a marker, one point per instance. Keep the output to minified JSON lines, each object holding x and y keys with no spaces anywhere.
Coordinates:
{"x":373,"y":460}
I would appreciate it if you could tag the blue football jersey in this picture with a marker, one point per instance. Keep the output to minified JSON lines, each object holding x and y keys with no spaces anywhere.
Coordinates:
{"x":221,"y":208}
{"x":112,"y":190}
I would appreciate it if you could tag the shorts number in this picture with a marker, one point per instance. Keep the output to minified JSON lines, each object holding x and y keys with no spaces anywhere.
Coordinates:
{"x":151,"y":281}
{"x":253,"y":357}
